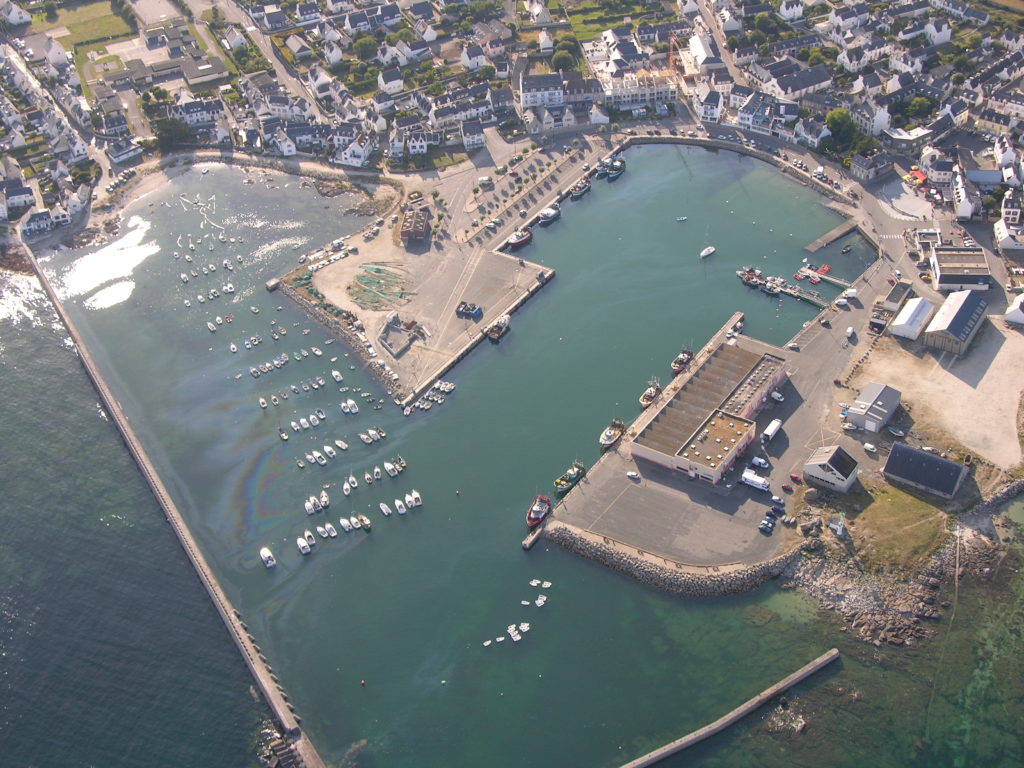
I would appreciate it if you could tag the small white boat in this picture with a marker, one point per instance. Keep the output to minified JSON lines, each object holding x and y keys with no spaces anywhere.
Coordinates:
{"x":302,"y":545}
{"x":367,"y":478}
{"x":331,"y":530}
{"x":254,"y":310}
{"x":346,"y":488}
{"x":400,"y":506}
{"x":316,"y":351}
{"x":385,"y":509}
{"x":341,"y":444}
{"x":283,"y":435}
{"x":345,"y":524}
{"x":344,"y":407}
{"x":211,"y":326}
{"x":295,"y":426}
{"x":352,"y":481}
{"x":325,"y":500}
{"x":331,"y":453}
{"x":274,"y":400}
{"x":184,"y":277}
{"x":232,"y":347}
{"x":319,"y":458}
{"x":263,"y":403}
{"x":680,"y":218}
{"x":352,"y":407}
{"x":374,"y":435}
{"x":376,"y":473}
{"x":321,"y":531}
{"x":314,"y":420}
{"x":417,"y":500}
{"x":410,"y":502}
{"x":268,"y":557}
{"x":315,"y":502}
{"x":365,"y":438}
{"x":355,"y":522}
{"x":337,"y":376}
{"x":309,"y":507}
{"x":310,"y":538}
{"x":390,"y":469}
{"x":304,"y":423}
{"x":707,"y":251}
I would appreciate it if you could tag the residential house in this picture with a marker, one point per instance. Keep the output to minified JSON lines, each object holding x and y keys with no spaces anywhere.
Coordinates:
{"x":298,"y":46}
{"x":990,"y":121}
{"x":234,"y":39}
{"x":13,"y":14}
{"x":285,"y":144}
{"x":799,"y":83}
{"x":425,"y":29}
{"x":472,"y":57}
{"x":540,"y":91}
{"x":938,"y":31}
{"x":545,"y":43}
{"x":473,"y":135}
{"x":812,"y":131}
{"x":791,"y":10}
{"x":390,"y":81}
{"x":961,"y":11}
{"x":1011,"y":207}
{"x":707,"y":103}
{"x":36,"y":222}
{"x":924,"y":471}
{"x":198,"y":112}
{"x":122,"y":150}
{"x":357,"y":153}
{"x":867,"y":168}
{"x":306,"y":12}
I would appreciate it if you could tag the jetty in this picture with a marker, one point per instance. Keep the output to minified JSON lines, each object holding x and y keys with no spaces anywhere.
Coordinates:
{"x":811,"y":297}
{"x":832,"y":235}
{"x":736,"y":715}
{"x":297,"y":742}
{"x":827,"y":277}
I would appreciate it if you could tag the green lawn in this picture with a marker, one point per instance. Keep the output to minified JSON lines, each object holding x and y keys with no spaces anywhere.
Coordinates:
{"x":590,"y":20}
{"x":93,"y":21}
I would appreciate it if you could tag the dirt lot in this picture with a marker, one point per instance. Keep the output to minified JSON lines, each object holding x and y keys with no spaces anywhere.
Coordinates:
{"x":972,"y":400}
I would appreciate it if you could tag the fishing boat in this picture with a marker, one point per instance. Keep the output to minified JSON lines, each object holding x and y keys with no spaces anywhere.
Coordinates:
{"x":390,"y":469}
{"x":498,"y":328}
{"x":549,"y":214}
{"x":707,"y":251}
{"x":365,"y":521}
{"x":612,"y":433}
{"x":336,"y":375}
{"x":770,"y":289}
{"x":417,"y":500}
{"x":579,"y":189}
{"x":681,"y":360}
{"x":651,"y":393}
{"x":616,"y":169}
{"x":601,"y":171}
{"x":267,"y":557}
{"x":520,"y":237}
{"x":302,"y":545}
{"x":540,"y":509}
{"x":400,"y":506}
{"x":385,"y":509}
{"x":568,"y":479}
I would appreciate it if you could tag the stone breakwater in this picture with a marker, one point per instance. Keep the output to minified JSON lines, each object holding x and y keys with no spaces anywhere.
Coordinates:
{"x":692,"y":582}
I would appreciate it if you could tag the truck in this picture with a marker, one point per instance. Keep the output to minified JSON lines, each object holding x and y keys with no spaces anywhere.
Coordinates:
{"x":754,"y":480}
{"x":850,"y":293}
{"x":771,"y":430}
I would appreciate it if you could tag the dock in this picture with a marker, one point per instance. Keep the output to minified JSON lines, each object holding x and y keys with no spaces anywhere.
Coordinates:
{"x":811,"y":297}
{"x":736,"y":715}
{"x":263,"y":675}
{"x":532,"y":536}
{"x":825,"y":276}
{"x":832,"y":235}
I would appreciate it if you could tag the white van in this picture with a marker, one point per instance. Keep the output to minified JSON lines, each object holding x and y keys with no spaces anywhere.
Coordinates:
{"x":849,"y":332}
{"x":841,"y":302}
{"x":850,"y":293}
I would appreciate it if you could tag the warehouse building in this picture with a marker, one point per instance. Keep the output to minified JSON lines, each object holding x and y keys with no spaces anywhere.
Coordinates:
{"x":959,"y":268}
{"x":874,"y":406}
{"x":924,"y":471}
{"x":957,"y":322}
{"x":912,"y":319}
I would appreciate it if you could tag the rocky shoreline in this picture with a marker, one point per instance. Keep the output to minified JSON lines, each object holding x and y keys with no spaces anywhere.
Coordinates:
{"x":877,"y":608}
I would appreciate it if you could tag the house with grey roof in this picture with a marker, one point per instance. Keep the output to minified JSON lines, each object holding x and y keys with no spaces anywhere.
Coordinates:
{"x":924,"y":471}
{"x":874,"y":407}
{"x":831,"y":467}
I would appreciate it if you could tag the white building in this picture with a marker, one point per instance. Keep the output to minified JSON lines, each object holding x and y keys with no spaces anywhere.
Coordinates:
{"x":912,"y":319}
{"x":832,"y":467}
{"x":13,"y":14}
{"x":1015,"y":312}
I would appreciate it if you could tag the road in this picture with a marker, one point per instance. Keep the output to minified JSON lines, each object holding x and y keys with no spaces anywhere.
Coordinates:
{"x":707,"y":14}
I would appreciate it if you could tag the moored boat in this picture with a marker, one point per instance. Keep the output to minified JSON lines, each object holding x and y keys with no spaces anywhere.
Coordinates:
{"x":365,"y":521}
{"x":651,"y":393}
{"x":612,"y":433}
{"x":390,"y":469}
{"x":385,"y":509}
{"x":302,"y":545}
{"x":540,"y":509}
{"x":570,"y":477}
{"x":498,"y":328}
{"x":707,"y":251}
{"x":267,"y":557}
{"x":417,"y":500}
{"x":520,"y":237}
{"x":400,"y":506}
{"x":325,"y":500}
{"x":549,"y":214}
{"x":579,"y":189}
{"x":681,"y":361}
{"x":345,"y":524}
{"x":336,"y":375}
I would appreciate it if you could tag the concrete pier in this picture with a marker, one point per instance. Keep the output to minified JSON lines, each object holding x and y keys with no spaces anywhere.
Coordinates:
{"x":826,"y":277}
{"x":736,"y":715}
{"x":832,"y":235}
{"x":251,"y":654}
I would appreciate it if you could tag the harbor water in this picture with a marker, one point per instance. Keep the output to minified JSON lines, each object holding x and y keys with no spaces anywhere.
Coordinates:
{"x":608,"y":670}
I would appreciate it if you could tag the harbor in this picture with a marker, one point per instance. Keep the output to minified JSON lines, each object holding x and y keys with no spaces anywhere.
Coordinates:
{"x":837,"y":232}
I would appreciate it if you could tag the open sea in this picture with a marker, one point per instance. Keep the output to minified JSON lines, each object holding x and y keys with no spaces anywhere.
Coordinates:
{"x":111,"y":654}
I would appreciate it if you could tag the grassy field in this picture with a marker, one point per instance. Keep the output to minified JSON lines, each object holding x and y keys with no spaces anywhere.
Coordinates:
{"x":590,"y":20}
{"x":84,"y":22}
{"x":893,"y":528}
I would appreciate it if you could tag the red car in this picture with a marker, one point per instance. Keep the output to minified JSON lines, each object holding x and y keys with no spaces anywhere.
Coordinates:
{"x":796,"y":478}
{"x":787,"y":487}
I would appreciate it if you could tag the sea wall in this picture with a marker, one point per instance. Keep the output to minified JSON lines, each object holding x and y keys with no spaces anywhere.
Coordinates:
{"x":687,"y":581}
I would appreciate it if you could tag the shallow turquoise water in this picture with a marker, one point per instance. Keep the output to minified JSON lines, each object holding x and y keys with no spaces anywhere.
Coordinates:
{"x":609,"y":668}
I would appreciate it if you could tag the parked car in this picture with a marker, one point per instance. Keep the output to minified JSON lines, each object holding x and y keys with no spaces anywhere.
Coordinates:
{"x":757,"y":461}
{"x":779,"y":510}
{"x":870,"y":448}
{"x":787,"y":488}
{"x":796,"y":478}
{"x":777,"y":396}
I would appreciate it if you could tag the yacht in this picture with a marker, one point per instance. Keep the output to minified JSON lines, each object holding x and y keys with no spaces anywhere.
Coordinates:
{"x":331,"y":530}
{"x":400,"y":506}
{"x":319,"y":458}
{"x":390,"y":469}
{"x":374,"y":435}
{"x":345,"y":524}
{"x":385,"y":509}
{"x":302,"y":545}
{"x":346,"y":488}
{"x":325,"y":500}
{"x":331,"y":453}
{"x":352,"y":481}
{"x":308,"y":506}
{"x":365,"y":438}
{"x":707,"y":251}
{"x":352,"y":407}
{"x":316,"y":351}
{"x":355,"y":522}
{"x":409,"y":501}
{"x":315,"y":503}
{"x":313,"y":420}
{"x":268,"y":557}
{"x":344,"y":407}
{"x":321,"y":531}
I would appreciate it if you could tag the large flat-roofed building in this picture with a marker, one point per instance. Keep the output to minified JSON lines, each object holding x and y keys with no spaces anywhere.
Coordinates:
{"x":925,"y":471}
{"x":873,"y":407}
{"x":831,"y":467}
{"x":912,"y":319}
{"x":706,"y":423}
{"x":959,"y":269}
{"x":956,"y":323}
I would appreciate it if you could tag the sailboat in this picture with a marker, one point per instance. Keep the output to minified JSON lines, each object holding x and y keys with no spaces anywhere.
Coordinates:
{"x":708,"y":249}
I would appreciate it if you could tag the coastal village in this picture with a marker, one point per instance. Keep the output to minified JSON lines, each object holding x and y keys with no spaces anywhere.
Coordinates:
{"x":840,"y":462}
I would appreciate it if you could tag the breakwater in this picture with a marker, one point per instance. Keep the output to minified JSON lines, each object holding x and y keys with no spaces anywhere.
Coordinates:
{"x":677,"y":578}
{"x":253,"y":657}
{"x":737,"y":714}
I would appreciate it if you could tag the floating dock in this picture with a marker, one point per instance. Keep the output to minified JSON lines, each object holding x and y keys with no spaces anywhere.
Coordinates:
{"x":832,"y":235}
{"x":825,"y":277}
{"x":736,"y":715}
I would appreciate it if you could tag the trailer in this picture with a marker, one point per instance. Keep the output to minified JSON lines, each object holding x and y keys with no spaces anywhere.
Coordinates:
{"x":771,"y":430}
{"x":754,"y":480}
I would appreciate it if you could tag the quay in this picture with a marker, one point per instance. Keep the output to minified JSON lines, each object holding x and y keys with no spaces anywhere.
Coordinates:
{"x":736,"y":715}
{"x":832,"y":235}
{"x":533,"y":536}
{"x":808,"y":296}
{"x":825,"y":276}
{"x":298,"y":743}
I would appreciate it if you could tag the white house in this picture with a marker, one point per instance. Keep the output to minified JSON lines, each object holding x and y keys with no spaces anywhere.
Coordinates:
{"x":13,"y":14}
{"x":811,"y":131}
{"x":1015,"y":312}
{"x":473,"y":135}
{"x":285,"y":145}
{"x":390,"y":81}
{"x":333,"y":53}
{"x":357,"y":153}
{"x":233,"y":39}
{"x":472,"y":57}
{"x":547,"y":45}
{"x":541,"y":90}
{"x":832,"y":467}
{"x":938,"y":31}
{"x":707,"y":103}
{"x":425,"y":30}
{"x":790,"y":10}
{"x":912,"y":319}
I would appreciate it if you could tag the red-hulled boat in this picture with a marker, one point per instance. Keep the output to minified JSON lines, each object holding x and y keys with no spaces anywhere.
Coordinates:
{"x":520,"y":237}
{"x":540,"y":509}
{"x":681,"y":361}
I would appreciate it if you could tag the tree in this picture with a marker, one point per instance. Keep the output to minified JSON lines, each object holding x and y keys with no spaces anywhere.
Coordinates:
{"x":841,"y":125}
{"x":172,"y":133}
{"x":365,"y":48}
{"x":815,"y":57}
{"x":763,"y":23}
{"x":486,"y":72}
{"x":563,"y":60}
{"x":920,"y":106}
{"x":958,"y":78}
{"x":732,"y":43}
{"x":803,"y":54}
